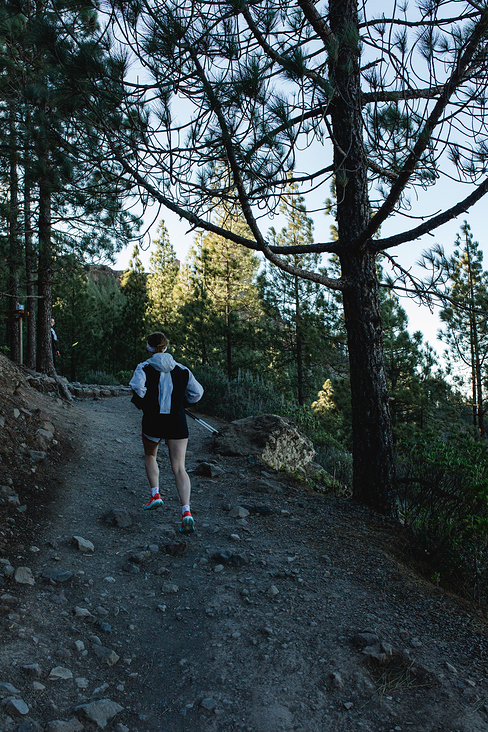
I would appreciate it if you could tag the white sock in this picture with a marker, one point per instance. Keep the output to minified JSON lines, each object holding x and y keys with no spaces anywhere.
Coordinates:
{"x":155,"y":490}
{"x":184,"y":509}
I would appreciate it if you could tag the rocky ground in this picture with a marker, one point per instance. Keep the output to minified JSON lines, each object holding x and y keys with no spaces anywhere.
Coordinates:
{"x":286,"y":610}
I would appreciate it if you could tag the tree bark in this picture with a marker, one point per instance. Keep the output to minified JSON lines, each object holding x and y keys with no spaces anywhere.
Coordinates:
{"x":13,"y":338}
{"x":45,"y":362}
{"x":373,"y":459}
{"x":299,"y":345}
{"x":30,"y":261}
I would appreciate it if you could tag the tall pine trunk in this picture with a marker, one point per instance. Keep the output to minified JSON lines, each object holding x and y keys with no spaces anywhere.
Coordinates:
{"x":373,"y":459}
{"x":299,"y":345}
{"x":30,"y":258}
{"x":14,"y":242}
{"x":45,"y":362}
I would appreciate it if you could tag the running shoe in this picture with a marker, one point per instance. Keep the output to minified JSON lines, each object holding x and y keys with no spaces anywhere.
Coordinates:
{"x":187,"y":524}
{"x":155,"y":502}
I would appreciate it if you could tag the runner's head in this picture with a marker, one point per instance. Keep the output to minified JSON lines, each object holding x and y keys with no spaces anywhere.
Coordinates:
{"x":157,"y":343}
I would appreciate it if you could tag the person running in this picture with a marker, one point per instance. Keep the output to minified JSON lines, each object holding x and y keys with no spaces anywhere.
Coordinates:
{"x":160,"y":388}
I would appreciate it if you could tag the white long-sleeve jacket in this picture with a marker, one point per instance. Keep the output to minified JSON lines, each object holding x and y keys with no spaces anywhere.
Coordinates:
{"x":165,"y":363}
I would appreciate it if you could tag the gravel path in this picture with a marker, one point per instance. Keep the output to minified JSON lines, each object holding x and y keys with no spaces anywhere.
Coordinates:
{"x":288,"y":614}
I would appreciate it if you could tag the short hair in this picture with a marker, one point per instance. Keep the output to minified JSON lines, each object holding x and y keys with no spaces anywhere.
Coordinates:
{"x":158,"y":341}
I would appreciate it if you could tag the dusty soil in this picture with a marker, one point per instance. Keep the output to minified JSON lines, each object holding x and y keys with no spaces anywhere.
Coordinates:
{"x":257,"y":623}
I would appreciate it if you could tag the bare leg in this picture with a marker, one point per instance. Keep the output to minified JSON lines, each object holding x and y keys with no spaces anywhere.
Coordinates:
{"x":177,"y":454}
{"x":152,"y":469}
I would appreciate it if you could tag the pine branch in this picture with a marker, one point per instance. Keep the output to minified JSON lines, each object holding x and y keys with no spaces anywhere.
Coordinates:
{"x":455,"y":80}
{"x":432,"y":223}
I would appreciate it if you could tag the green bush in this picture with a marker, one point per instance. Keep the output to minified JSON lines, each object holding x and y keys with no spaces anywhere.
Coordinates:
{"x":247,"y":395}
{"x":123,"y":377}
{"x":100,"y":378}
{"x":443,"y":501}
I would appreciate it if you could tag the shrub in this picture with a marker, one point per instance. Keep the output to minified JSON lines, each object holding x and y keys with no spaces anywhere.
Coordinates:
{"x":247,"y":395}
{"x":99,"y":377}
{"x":443,"y":501}
{"x":123,"y":377}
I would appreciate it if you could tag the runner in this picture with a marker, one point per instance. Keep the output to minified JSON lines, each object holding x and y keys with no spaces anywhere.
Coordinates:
{"x":160,"y":388}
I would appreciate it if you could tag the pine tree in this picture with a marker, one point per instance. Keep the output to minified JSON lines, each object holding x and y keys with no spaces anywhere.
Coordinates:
{"x":297,"y":306}
{"x":58,"y":147}
{"x":133,"y":287}
{"x":466,"y":333}
{"x":161,"y":283}
{"x":222,"y":301}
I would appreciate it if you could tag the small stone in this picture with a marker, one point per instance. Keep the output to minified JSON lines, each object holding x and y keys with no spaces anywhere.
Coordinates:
{"x":60,"y":672}
{"x":273,"y":591}
{"x":169,"y":588}
{"x":208,"y":470}
{"x":336,"y":680}
{"x":57,"y":575}
{"x":218,"y":568}
{"x":361,"y":640}
{"x":119,"y":517}
{"x":100,"y":712}
{"x":239,"y":512}
{"x":82,"y":612}
{"x":37,"y":686}
{"x":33,"y":669}
{"x":7,"y":689}
{"x":81,"y":682}
{"x":452,"y":669}
{"x":208,"y":703}
{"x":131,"y":568}
{"x":79,"y":646}
{"x":37,"y":456}
{"x":101,"y":689}
{"x":16,"y":706}
{"x":106,"y":655}
{"x":379,"y":653}
{"x":239,"y":560}
{"x":24,"y":576}
{"x":348,"y":705}
{"x":104,"y":627}
{"x":83,"y":545}
{"x":235,"y":537}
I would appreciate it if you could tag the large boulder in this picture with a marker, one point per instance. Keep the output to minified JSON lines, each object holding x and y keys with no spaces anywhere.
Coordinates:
{"x":270,"y":438}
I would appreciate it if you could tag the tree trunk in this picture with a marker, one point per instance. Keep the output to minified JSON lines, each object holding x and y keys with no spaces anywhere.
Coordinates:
{"x":14,"y":243}
{"x":45,"y":362}
{"x":373,"y":461}
{"x":299,"y":344}
{"x":30,"y":268}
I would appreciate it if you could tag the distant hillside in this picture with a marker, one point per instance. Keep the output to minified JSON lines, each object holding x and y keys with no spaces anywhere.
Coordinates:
{"x":102,"y":270}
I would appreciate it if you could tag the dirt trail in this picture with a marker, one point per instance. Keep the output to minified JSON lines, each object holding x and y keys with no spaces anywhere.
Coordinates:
{"x":257,"y":623}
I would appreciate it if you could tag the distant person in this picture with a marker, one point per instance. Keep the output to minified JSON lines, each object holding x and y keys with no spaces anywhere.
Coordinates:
{"x":160,"y":388}
{"x":54,"y":342}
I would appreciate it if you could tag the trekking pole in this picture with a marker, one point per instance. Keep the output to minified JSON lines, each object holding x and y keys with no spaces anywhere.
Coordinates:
{"x":204,"y":424}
